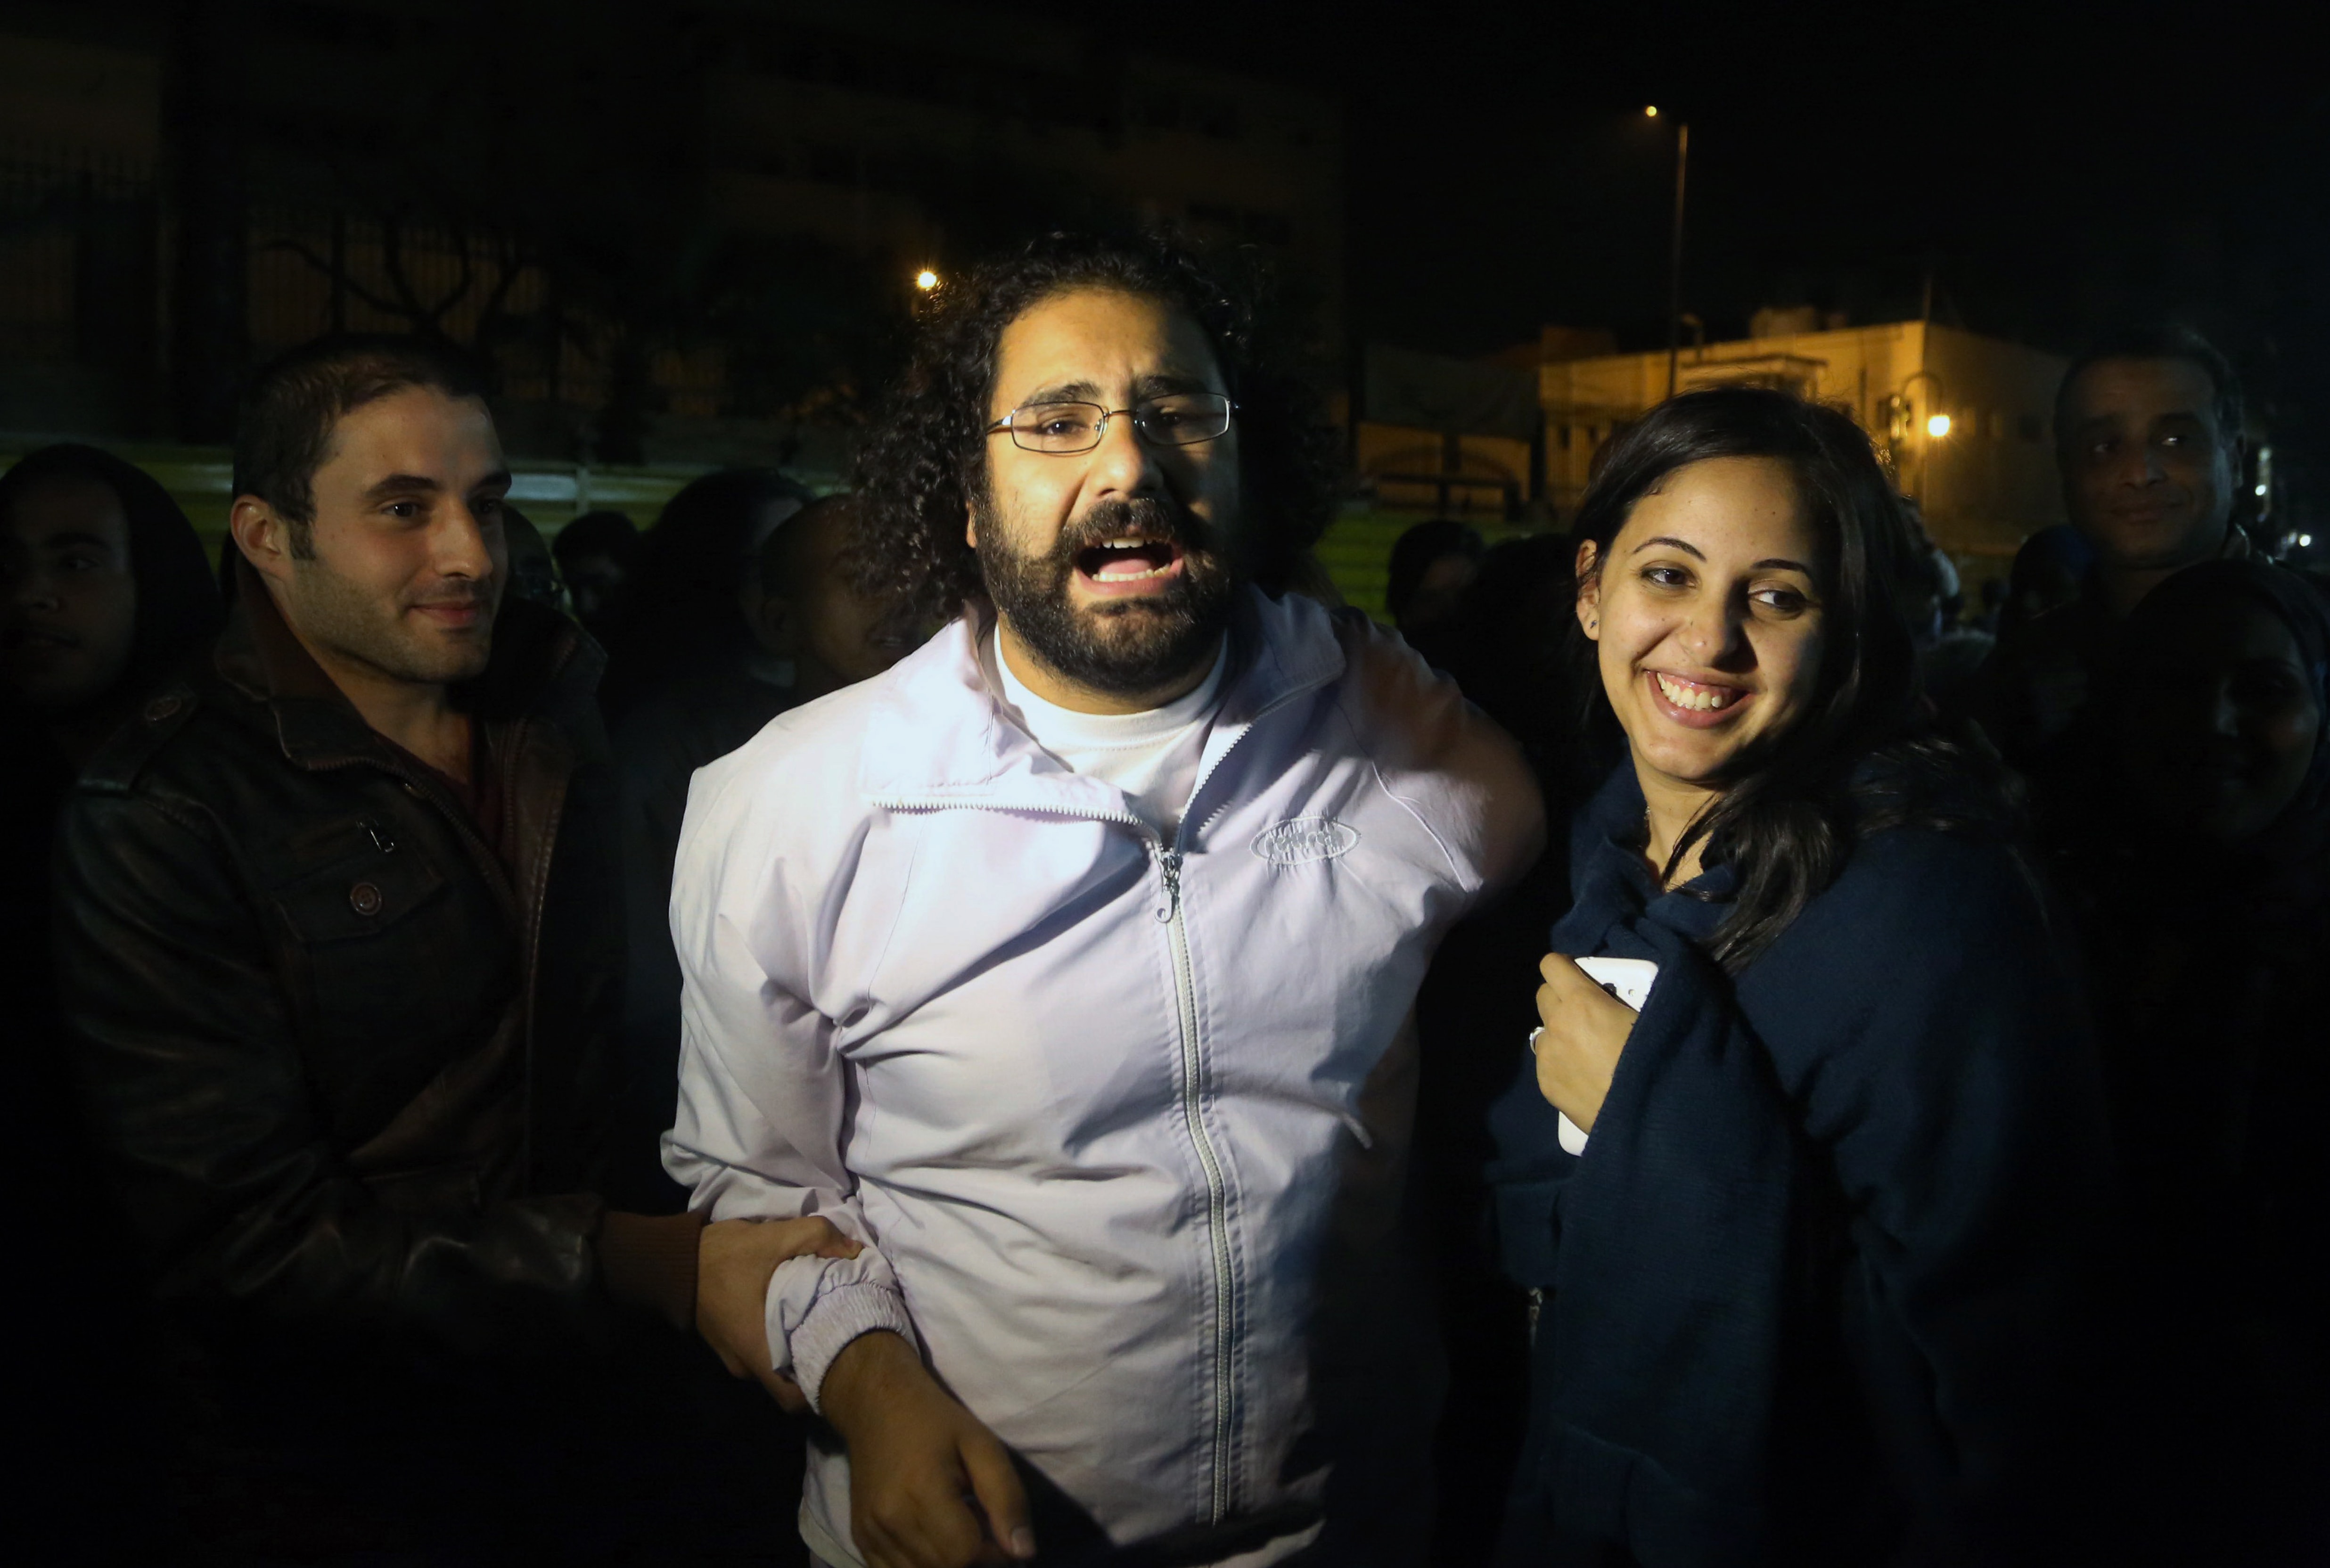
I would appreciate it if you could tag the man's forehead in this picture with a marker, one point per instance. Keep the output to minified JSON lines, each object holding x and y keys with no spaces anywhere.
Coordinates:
{"x":2143,"y":389}
{"x":1101,"y":337}
{"x":415,"y":431}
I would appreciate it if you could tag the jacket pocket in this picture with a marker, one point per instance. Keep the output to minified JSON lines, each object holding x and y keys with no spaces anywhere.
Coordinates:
{"x":395,"y":976}
{"x":361,"y":898}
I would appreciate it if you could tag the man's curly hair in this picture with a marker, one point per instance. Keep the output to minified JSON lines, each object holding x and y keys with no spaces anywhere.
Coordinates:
{"x":924,"y":461}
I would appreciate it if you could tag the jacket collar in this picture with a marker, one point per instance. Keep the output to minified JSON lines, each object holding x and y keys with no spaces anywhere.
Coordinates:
{"x":540,"y":664}
{"x":1609,"y":881}
{"x":938,"y":735}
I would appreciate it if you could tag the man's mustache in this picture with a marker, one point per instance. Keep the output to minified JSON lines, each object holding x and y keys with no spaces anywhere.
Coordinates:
{"x":1142,"y":518}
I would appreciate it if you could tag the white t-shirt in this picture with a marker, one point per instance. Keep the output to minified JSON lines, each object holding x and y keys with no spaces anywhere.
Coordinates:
{"x":1151,"y":756}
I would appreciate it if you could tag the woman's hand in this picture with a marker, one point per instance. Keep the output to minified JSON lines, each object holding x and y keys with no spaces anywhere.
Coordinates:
{"x":1586,"y":1030}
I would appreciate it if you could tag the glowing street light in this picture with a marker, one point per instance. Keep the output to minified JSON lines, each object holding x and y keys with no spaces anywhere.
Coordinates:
{"x":1938,"y":426}
{"x":1651,"y":111}
{"x":926,"y":280}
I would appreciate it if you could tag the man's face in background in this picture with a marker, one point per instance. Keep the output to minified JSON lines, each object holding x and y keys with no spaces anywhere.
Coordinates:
{"x":2148,"y":476}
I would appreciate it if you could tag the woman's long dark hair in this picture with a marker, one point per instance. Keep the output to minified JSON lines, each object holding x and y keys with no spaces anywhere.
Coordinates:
{"x":1864,"y":756}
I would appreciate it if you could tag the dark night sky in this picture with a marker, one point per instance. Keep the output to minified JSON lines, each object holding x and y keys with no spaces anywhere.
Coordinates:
{"x":2058,"y":170}
{"x":1501,"y":173}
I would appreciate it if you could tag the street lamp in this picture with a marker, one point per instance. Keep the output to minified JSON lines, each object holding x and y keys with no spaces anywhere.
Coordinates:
{"x":1674,"y":248}
{"x":926,"y":280}
{"x":1938,"y":424}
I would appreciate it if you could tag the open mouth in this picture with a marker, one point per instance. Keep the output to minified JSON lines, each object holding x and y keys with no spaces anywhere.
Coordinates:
{"x":1129,"y":565}
{"x":1697,"y":702}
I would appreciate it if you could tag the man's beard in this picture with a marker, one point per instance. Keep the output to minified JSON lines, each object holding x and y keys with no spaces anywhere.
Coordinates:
{"x":355,"y":622}
{"x":1126,"y":646}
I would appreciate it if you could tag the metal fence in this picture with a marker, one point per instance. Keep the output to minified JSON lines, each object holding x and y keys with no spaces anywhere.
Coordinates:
{"x":85,"y":240}
{"x":81,"y":247}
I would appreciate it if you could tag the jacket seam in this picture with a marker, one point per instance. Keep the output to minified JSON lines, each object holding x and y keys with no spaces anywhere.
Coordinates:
{"x":1375,"y":769}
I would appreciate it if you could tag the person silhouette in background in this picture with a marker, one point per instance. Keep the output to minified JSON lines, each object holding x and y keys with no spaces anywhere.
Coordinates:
{"x":2148,"y":440}
{"x":104,"y":588}
{"x":1431,"y":564}
{"x":2202,"y":880}
{"x":597,"y":553}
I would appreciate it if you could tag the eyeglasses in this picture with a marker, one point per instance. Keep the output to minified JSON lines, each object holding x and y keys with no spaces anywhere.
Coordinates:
{"x":1177,"y":419}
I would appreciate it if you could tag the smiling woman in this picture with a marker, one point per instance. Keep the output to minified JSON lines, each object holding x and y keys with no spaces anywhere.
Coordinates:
{"x":1732,"y":562}
{"x":1856,"y":1107}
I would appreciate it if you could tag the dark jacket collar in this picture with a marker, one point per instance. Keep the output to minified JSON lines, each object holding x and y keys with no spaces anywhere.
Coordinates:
{"x":1611,"y":883}
{"x":541,"y":665}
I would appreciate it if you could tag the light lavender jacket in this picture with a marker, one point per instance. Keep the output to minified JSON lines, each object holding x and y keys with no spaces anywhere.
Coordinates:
{"x":1114,"y":1115}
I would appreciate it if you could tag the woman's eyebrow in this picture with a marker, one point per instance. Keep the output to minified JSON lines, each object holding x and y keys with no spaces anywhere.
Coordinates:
{"x":1685,"y":546}
{"x":1785,"y":565}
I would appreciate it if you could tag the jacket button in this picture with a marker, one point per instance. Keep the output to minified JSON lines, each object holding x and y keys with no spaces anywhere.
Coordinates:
{"x":365,"y":898}
{"x":160,"y":708}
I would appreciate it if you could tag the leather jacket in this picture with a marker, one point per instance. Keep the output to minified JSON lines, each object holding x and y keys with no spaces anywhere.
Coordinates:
{"x":349,"y":1069}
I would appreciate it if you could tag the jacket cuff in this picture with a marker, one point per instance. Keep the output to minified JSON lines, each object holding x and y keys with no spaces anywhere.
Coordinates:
{"x":839,"y":1316}
{"x":649,"y":1260}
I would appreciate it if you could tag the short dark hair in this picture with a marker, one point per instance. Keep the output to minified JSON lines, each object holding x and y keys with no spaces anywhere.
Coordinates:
{"x":1413,"y":553}
{"x":1864,"y":756}
{"x":283,"y":431}
{"x":602,"y":532}
{"x":925,"y":460}
{"x":2160,"y":340}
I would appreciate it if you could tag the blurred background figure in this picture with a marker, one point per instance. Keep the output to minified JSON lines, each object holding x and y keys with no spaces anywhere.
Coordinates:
{"x":2202,"y":884}
{"x":2049,"y":572}
{"x":103,"y":588}
{"x":1928,"y":596}
{"x":596,"y":554}
{"x":2149,"y":447}
{"x":533,"y":570}
{"x":685,"y":620}
{"x":1505,"y":647}
{"x":1431,"y":564}
{"x":805,"y":615}
{"x":106,"y":585}
{"x":791,"y":628}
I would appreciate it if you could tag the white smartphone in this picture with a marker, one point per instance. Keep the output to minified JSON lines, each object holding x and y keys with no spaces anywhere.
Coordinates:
{"x":1627,"y":979}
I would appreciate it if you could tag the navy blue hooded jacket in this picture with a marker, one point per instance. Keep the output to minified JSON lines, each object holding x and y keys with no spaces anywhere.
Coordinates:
{"x":1806,"y":1294}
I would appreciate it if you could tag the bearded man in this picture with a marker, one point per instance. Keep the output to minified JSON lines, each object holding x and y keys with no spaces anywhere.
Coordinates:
{"x":1069,"y":964}
{"x":339,"y":935}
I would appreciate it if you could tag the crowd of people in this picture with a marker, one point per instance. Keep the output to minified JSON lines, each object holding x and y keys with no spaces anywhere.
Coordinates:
{"x":982,"y":1019}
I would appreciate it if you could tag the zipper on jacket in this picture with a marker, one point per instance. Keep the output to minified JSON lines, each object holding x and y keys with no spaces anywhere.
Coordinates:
{"x":1169,"y":867}
{"x":1168,"y":864}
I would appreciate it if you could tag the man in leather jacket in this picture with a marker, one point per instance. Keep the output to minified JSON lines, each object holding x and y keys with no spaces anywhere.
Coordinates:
{"x":339,"y":939}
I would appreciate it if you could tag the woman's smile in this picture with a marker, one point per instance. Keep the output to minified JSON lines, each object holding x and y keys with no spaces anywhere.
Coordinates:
{"x":1697,"y":702}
